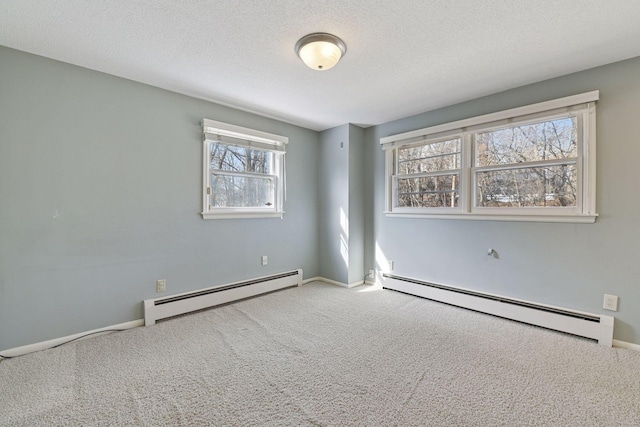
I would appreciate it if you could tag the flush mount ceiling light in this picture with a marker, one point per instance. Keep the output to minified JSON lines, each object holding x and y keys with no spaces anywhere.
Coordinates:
{"x":320,"y":51}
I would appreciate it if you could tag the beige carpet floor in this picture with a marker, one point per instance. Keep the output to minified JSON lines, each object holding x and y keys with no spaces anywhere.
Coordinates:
{"x":320,"y":355}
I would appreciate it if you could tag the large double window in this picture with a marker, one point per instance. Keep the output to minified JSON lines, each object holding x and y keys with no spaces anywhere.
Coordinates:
{"x":534,"y":163}
{"x":243,"y":173}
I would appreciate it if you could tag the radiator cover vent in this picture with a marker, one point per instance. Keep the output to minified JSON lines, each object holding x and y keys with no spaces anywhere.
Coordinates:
{"x":588,"y":325}
{"x":162,"y":308}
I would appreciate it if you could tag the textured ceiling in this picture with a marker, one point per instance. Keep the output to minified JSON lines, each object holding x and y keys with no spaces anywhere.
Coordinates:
{"x":403,"y":56}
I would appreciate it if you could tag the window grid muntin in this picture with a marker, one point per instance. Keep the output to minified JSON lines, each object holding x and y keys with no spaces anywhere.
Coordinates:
{"x":528,"y":122}
{"x":456,"y":191}
{"x":270,"y":201}
{"x":577,"y":161}
{"x":534,"y":191}
{"x":234,"y":150}
{"x":445,"y":142}
{"x":428,"y":174}
{"x":269,"y":164}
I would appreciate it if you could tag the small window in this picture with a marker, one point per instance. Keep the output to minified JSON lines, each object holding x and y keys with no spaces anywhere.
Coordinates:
{"x":428,"y":175}
{"x":533,"y":163}
{"x":243,"y":172}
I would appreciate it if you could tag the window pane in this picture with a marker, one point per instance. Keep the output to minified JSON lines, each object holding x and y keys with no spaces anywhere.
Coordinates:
{"x":554,"y":139}
{"x":230,"y":191}
{"x":428,"y":192}
{"x":240,"y":159}
{"x":553,"y":186}
{"x":439,"y":156}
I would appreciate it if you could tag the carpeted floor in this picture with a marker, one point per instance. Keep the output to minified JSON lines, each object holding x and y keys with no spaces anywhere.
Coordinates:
{"x":321,"y":355}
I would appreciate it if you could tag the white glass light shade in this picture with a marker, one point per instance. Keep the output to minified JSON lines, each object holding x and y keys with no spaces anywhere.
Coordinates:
{"x":320,"y":51}
{"x":320,"y":55}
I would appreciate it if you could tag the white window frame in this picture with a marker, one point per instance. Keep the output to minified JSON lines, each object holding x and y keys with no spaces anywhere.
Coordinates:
{"x":214,"y":131}
{"x":582,"y":106}
{"x":458,"y":172}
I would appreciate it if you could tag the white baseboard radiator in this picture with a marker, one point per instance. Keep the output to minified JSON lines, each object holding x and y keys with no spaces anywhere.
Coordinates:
{"x":594,"y":326}
{"x":187,"y":302}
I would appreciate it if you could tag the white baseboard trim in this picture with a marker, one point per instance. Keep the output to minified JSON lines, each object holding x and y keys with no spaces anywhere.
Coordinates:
{"x":43,"y":345}
{"x":356,"y":283}
{"x":333,"y":282}
{"x":312,"y":279}
{"x":627,"y":345}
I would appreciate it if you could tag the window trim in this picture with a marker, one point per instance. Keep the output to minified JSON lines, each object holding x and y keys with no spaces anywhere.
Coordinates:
{"x":581,"y":105}
{"x":214,"y":131}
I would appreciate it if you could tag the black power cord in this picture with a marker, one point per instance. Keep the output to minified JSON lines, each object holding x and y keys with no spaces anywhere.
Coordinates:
{"x":66,"y":342}
{"x":368,"y":275}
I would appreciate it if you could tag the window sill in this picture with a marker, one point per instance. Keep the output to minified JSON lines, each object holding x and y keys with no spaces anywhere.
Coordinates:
{"x":239,"y":215}
{"x":577,"y":219}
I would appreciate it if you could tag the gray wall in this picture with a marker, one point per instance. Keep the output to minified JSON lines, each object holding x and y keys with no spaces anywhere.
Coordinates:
{"x":356,"y":204}
{"x":569,"y":265}
{"x":100,"y":195}
{"x":342,"y":204}
{"x":333,"y":190}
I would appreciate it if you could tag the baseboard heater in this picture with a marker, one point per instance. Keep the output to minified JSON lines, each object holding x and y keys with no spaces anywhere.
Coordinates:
{"x":588,"y":325}
{"x":174,"y":305}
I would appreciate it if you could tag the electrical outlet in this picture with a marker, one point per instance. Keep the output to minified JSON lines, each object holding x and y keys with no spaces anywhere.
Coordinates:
{"x":265,"y":260}
{"x":610,"y":302}
{"x":390,"y":265}
{"x":371,"y":274}
{"x":161,"y":285}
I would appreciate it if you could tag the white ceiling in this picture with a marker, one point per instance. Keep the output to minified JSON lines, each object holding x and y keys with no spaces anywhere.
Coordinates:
{"x":403,"y":56}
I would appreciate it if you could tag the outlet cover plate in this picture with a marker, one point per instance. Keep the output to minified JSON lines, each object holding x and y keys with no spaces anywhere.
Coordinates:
{"x":610,"y":302}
